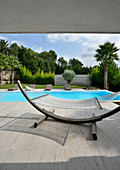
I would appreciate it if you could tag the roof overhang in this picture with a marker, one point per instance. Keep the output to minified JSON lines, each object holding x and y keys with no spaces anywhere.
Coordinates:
{"x":60,"y":16}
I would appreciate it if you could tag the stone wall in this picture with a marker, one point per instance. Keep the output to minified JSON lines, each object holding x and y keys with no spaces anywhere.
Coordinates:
{"x":78,"y":80}
{"x":6,"y":76}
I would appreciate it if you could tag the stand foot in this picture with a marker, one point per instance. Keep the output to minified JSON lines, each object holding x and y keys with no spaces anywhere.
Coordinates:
{"x":36,"y":124}
{"x":94,"y":130}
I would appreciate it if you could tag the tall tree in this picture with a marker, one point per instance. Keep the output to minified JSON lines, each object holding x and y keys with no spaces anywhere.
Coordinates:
{"x":106,"y":52}
{"x":76,"y":65}
{"x":54,"y":55}
{"x":28,"y":58}
{"x":62,"y":62}
{"x":46,"y":56}
{"x":47,"y":65}
{"x":21,"y":51}
{"x":61,"y":66}
{"x":14,"y":49}
{"x":4,"y":49}
{"x":41,"y":64}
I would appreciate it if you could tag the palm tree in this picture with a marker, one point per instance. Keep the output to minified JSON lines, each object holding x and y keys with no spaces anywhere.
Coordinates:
{"x":106,"y":52}
{"x":13,"y":63}
{"x":4,"y":49}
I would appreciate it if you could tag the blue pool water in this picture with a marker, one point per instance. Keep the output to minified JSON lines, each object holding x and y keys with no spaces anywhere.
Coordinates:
{"x":71,"y":95}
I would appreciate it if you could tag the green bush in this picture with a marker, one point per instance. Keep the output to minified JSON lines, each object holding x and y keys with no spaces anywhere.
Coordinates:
{"x":68,"y":75}
{"x":38,"y":78}
{"x":97,"y":76}
{"x":115,"y":84}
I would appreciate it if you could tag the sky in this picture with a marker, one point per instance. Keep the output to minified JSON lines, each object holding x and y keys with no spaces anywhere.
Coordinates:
{"x":79,"y":46}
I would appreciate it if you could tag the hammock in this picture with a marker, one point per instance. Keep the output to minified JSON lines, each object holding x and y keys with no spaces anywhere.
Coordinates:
{"x":93,"y":117}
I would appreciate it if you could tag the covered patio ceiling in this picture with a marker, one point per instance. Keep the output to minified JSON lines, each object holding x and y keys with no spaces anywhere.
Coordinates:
{"x":60,"y":16}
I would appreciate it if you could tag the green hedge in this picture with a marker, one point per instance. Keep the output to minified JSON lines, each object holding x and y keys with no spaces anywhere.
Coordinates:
{"x":38,"y":78}
{"x":97,"y":77}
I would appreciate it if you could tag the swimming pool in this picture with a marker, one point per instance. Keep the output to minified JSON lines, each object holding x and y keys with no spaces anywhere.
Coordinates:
{"x":71,"y":95}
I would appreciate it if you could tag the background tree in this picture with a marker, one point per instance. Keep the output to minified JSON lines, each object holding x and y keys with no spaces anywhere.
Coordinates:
{"x":14,"y":49}
{"x":46,"y":56}
{"x":54,"y":55}
{"x":47,"y":66}
{"x":106,"y":52}
{"x":50,"y":59}
{"x":21,"y":51}
{"x":4,"y":49}
{"x":68,"y":75}
{"x":76,"y":65}
{"x":41,"y":64}
{"x":44,"y":61}
{"x":61,"y":65}
{"x":86,"y":70}
{"x":28,"y":58}
{"x":62,"y":62}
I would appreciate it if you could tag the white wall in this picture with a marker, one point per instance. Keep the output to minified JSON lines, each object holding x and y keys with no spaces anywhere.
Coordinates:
{"x":78,"y":80}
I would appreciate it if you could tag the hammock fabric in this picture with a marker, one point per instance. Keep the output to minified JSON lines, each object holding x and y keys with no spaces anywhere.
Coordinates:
{"x":49,"y":100}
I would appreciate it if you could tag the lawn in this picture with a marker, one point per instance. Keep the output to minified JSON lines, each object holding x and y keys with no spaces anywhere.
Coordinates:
{"x":37,"y":86}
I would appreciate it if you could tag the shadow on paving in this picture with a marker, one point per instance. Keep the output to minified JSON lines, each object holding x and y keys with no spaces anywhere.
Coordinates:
{"x":51,"y":129}
{"x":58,"y":131}
{"x":77,"y":163}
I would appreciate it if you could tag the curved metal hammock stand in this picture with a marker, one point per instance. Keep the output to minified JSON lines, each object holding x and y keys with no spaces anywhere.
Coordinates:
{"x":92,"y":120}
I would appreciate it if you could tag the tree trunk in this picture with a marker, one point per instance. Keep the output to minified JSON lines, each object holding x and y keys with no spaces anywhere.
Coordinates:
{"x":106,"y":75}
{"x":1,"y":77}
{"x":12,"y":76}
{"x":68,"y":81}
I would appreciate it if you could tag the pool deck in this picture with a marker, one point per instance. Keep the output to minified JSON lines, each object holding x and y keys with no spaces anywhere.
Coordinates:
{"x":54,"y":145}
{"x":74,"y":89}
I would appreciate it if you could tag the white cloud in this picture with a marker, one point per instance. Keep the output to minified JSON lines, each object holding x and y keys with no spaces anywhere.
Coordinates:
{"x":88,"y":61}
{"x":84,"y":43}
{"x":18,"y":42}
{"x":64,"y":37}
{"x":90,"y":44}
{"x":3,"y":38}
{"x":38,"y":50}
{"x":53,"y":37}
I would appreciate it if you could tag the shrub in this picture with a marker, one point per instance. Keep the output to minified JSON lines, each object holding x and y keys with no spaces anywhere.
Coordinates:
{"x":38,"y":78}
{"x":68,"y":75}
{"x":97,"y":76}
{"x":115,"y":84}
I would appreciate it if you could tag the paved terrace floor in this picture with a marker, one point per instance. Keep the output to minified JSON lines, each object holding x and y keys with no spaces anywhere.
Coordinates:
{"x":54,"y":145}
